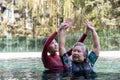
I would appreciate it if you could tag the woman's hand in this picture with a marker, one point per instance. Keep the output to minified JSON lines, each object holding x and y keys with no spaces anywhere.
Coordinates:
{"x":89,"y":25}
{"x":65,"y":25}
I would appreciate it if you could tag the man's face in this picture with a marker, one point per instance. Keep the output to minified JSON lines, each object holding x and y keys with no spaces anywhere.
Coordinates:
{"x":78,"y":54}
{"x":53,"y":47}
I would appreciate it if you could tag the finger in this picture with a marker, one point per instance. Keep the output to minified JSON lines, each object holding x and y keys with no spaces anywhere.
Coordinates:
{"x":69,"y":21}
{"x":89,"y":23}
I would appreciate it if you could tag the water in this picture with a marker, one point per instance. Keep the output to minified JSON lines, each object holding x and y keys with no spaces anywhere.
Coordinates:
{"x":21,"y":69}
{"x":32,"y":69}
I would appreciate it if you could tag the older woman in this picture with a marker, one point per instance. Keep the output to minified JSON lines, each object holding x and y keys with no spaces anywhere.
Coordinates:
{"x":81,"y":62}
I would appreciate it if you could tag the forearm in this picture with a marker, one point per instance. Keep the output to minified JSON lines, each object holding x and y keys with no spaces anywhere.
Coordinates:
{"x":62,"y":42}
{"x":95,"y":38}
{"x":50,"y":39}
{"x":82,"y":38}
{"x":96,"y":43}
{"x":47,"y":43}
{"x":62,"y":33}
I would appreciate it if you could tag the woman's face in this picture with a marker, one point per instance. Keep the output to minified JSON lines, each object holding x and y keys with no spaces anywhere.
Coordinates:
{"x":78,"y":54}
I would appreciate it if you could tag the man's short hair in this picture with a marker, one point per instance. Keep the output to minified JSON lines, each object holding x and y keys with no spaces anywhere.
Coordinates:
{"x":44,"y":40}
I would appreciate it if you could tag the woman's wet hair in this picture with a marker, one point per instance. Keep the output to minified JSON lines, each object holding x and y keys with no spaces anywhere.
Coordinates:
{"x":85,"y":67}
{"x":85,"y":48}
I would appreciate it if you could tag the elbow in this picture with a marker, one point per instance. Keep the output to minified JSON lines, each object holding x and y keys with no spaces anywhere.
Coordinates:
{"x":61,"y":50}
{"x":96,"y":49}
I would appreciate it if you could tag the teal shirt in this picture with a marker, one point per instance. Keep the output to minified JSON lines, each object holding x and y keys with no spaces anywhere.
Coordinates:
{"x":92,"y":58}
{"x":68,"y":63}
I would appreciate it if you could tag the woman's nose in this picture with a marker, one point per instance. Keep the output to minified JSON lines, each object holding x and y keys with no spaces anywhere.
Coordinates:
{"x":75,"y":52}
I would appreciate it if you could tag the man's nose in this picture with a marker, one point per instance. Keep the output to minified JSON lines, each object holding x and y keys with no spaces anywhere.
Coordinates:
{"x":55,"y":44}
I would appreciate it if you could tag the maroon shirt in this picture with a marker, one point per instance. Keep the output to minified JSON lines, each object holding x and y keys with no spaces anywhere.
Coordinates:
{"x":53,"y":61}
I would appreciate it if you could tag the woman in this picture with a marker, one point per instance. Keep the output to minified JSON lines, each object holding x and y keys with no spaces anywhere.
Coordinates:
{"x":81,"y":62}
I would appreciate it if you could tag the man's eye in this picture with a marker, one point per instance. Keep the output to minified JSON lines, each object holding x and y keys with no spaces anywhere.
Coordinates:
{"x":52,"y":42}
{"x":79,"y":51}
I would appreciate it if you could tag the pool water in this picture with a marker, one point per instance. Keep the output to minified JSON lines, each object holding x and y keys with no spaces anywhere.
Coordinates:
{"x":32,"y":69}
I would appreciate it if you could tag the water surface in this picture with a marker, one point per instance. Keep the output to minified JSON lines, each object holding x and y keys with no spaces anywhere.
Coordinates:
{"x":32,"y":69}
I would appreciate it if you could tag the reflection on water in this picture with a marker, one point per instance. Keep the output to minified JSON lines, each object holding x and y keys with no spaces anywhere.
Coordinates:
{"x":21,"y":69}
{"x":32,"y":69}
{"x":20,"y":75}
{"x":50,"y":75}
{"x":67,"y":76}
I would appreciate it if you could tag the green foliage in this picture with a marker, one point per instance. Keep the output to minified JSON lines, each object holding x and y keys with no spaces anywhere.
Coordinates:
{"x":20,"y":44}
{"x":109,"y":39}
{"x":104,"y":14}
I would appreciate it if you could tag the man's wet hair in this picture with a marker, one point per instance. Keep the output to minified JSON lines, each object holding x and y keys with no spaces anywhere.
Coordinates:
{"x":44,"y":40}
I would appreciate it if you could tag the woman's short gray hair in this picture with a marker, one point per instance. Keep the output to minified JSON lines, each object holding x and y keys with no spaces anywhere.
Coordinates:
{"x":85,"y":48}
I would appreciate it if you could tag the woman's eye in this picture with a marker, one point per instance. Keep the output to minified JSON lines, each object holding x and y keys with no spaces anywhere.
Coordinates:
{"x":76,"y":51}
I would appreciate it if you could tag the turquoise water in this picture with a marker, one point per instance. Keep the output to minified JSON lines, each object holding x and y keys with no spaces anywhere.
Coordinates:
{"x":32,"y":69}
{"x":21,"y":69}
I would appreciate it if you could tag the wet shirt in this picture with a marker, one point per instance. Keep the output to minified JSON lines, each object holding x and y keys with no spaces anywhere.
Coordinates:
{"x":77,"y":67}
{"x":51,"y":62}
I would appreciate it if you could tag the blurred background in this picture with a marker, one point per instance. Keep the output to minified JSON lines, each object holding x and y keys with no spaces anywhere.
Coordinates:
{"x":23,"y":23}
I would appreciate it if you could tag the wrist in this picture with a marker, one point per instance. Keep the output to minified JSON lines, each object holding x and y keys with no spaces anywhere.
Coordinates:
{"x":85,"y":34}
{"x":92,"y":30}
{"x":57,"y":30}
